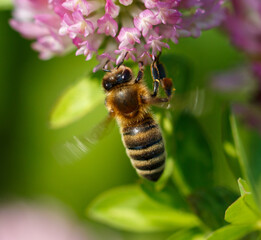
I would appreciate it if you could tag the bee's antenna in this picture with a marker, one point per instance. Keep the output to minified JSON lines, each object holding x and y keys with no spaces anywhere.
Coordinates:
{"x":122,"y":60}
{"x":105,"y":65}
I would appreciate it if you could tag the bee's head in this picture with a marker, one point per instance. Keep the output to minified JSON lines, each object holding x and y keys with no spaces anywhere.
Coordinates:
{"x":116,"y":76}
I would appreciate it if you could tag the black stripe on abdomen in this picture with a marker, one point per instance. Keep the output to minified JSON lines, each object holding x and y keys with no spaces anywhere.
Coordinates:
{"x":143,"y":138}
{"x":145,"y":147}
{"x":151,"y":164}
{"x":148,"y":153}
{"x":140,"y":146}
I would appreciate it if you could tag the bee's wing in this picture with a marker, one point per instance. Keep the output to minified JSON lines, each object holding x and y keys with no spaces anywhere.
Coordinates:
{"x":77,"y":147}
{"x":196,"y":102}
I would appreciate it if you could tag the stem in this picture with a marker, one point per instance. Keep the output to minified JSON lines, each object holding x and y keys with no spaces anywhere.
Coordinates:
{"x":242,"y":158}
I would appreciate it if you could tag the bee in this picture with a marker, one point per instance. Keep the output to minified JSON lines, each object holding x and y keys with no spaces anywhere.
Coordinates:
{"x":128,"y":100}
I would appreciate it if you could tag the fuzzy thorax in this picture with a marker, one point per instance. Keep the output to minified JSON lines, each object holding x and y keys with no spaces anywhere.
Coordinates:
{"x":127,"y":105}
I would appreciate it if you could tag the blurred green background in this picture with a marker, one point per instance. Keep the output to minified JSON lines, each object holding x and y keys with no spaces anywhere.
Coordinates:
{"x":29,"y":89}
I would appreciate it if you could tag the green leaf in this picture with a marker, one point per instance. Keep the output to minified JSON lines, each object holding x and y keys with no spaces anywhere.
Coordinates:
{"x":251,"y":140}
{"x":243,"y":187}
{"x":240,"y":213}
{"x":239,"y":148}
{"x":230,"y":150}
{"x":193,"y":154}
{"x":128,"y":208}
{"x":187,"y":234}
{"x":244,"y":209}
{"x":169,"y":195}
{"x":210,"y":205}
{"x":6,"y":4}
{"x":231,"y":232}
{"x":248,"y":150}
{"x":75,"y":102}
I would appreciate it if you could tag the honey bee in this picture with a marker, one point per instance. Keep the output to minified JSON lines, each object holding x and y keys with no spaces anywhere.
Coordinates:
{"x":128,"y":100}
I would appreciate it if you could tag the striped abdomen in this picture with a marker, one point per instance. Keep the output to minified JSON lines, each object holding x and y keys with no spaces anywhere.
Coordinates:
{"x":145,"y":147}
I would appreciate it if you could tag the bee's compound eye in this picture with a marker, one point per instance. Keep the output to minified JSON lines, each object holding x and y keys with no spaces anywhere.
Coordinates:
{"x":126,"y":74}
{"x":107,"y":85}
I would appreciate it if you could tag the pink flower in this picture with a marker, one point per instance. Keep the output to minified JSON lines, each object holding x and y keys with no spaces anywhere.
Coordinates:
{"x":129,"y":25}
{"x":243,"y":25}
{"x":103,"y":58}
{"x":243,"y":80}
{"x":28,"y":29}
{"x":36,"y":20}
{"x":169,"y":32}
{"x":166,"y":14}
{"x":126,"y":2}
{"x":150,"y":3}
{"x":190,"y":3}
{"x":107,"y":25}
{"x":128,"y":37}
{"x":145,"y":21}
{"x":50,"y":45}
{"x":89,"y":46}
{"x":85,"y":7}
{"x":123,"y":55}
{"x":155,"y":43}
{"x":22,"y":221}
{"x":143,"y":56}
{"x":256,"y":67}
{"x":208,"y":14}
{"x":76,"y":25}
{"x":111,"y":8}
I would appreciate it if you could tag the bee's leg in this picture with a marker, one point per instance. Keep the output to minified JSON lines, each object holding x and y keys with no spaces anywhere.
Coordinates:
{"x":166,"y":83}
{"x":104,"y":68}
{"x":157,"y":100}
{"x":156,"y":78}
{"x":154,"y":100}
{"x":159,"y":77}
{"x":140,"y":73}
{"x":122,"y":60}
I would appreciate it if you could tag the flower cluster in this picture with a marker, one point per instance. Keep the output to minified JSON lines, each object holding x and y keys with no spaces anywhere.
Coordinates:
{"x":35,"y":19}
{"x":243,"y":24}
{"x":140,"y":27}
{"x":244,"y":28}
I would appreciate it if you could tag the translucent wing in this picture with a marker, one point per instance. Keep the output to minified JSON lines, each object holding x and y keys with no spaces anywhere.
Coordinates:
{"x":77,"y":147}
{"x":196,"y":102}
